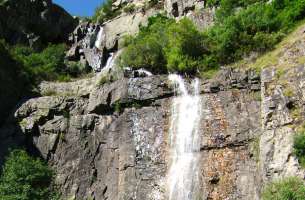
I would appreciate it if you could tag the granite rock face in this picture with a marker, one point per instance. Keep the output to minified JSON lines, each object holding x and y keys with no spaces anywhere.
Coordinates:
{"x":111,"y":142}
{"x":33,"y":22}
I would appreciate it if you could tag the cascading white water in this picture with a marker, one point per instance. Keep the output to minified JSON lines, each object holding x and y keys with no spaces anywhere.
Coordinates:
{"x":109,"y":63}
{"x":100,"y":39}
{"x":183,"y":174}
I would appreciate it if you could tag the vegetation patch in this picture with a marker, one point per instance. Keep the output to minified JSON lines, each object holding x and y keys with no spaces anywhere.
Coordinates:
{"x":299,"y":147}
{"x":26,"y":178}
{"x":165,"y":45}
{"x":291,"y":188}
{"x":31,"y":67}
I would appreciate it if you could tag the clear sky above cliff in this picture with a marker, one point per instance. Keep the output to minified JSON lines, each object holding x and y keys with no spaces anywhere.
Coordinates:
{"x":79,"y":7}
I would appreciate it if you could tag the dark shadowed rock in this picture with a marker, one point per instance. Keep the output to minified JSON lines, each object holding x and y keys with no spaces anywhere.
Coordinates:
{"x":32,"y":21}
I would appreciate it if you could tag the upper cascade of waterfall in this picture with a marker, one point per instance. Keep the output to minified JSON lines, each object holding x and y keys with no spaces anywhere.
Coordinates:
{"x":183,"y":174}
{"x":100,"y":39}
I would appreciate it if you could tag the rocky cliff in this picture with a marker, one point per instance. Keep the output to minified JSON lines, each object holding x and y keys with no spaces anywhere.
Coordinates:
{"x":34,"y":22}
{"x":110,"y":139}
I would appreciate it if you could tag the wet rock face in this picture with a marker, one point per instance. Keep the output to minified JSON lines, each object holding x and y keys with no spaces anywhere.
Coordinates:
{"x":112,"y":143}
{"x":34,"y":22}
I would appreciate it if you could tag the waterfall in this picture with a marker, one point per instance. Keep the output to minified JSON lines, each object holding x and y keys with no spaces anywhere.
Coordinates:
{"x":183,"y":174}
{"x":100,"y":39}
{"x":109,"y":63}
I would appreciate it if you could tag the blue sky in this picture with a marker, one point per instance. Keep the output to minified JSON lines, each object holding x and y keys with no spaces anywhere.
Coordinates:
{"x":79,"y":7}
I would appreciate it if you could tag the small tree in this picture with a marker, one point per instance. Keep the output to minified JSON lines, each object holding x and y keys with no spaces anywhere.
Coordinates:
{"x":25,"y":178}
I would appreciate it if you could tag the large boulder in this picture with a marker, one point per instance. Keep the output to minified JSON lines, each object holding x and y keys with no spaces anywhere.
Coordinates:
{"x":32,"y":21}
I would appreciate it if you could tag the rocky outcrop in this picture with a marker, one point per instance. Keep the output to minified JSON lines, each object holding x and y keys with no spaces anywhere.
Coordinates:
{"x":196,"y":10}
{"x":34,"y":22}
{"x":282,"y":108}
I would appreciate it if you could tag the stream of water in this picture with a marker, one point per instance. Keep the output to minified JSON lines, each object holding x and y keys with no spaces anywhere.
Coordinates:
{"x":100,"y":39}
{"x":183,"y":174}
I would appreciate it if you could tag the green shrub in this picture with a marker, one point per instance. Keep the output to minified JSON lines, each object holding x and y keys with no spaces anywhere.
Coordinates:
{"x":299,"y":147}
{"x":26,"y":178}
{"x":257,"y":27}
{"x":146,"y":50}
{"x":286,"y":189}
{"x":76,"y":68}
{"x":165,"y":45}
{"x":103,"y":79}
{"x":186,"y":49}
{"x":229,"y":7}
{"x":46,"y":65}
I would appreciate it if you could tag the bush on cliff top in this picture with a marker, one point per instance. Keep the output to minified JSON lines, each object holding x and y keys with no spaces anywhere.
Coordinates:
{"x":286,"y":189}
{"x":166,"y":45}
{"x":26,"y":178}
